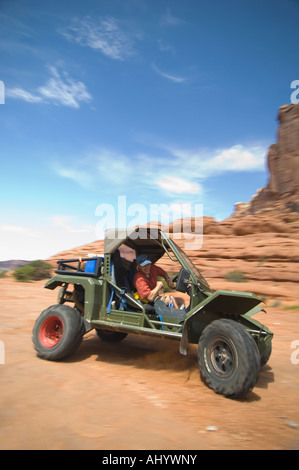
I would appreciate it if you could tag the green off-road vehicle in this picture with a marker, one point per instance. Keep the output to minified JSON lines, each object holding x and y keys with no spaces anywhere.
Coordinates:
{"x":97,"y":292}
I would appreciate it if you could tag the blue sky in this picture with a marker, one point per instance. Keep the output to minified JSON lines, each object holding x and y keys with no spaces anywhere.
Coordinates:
{"x":159,"y":101}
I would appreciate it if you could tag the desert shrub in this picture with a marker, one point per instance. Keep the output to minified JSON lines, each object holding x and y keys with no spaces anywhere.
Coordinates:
{"x":236,"y":276}
{"x":2,"y":274}
{"x":23,"y":274}
{"x":33,"y":271}
{"x":291,"y":307}
{"x":261,"y":260}
{"x":42,"y":269}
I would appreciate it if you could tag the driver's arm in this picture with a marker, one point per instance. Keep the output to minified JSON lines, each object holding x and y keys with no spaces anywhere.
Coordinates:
{"x":170,"y":283}
{"x":159,"y":286}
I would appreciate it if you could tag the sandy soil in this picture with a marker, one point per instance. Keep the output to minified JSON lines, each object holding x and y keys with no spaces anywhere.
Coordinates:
{"x":138,"y":394}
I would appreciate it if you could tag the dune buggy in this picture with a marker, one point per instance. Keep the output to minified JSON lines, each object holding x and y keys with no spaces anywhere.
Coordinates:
{"x":98,"y":293}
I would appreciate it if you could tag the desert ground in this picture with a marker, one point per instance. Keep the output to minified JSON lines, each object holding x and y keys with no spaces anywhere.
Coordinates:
{"x":140,"y":393}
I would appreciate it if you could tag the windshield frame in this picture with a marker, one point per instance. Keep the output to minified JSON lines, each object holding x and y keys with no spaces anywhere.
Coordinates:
{"x":186,"y":262}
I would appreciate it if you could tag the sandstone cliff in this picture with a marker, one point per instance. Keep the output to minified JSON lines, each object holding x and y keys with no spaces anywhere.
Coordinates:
{"x":282,"y":190}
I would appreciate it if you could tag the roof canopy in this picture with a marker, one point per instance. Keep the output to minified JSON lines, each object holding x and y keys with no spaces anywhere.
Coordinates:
{"x":140,"y":239}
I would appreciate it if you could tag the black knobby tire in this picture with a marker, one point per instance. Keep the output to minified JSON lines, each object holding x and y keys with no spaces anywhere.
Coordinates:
{"x":266,"y":355}
{"x":229,"y":360}
{"x":111,"y":336}
{"x":58,"y":332}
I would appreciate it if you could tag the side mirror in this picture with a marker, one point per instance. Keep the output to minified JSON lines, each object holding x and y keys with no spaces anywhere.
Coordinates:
{"x":183,"y":280}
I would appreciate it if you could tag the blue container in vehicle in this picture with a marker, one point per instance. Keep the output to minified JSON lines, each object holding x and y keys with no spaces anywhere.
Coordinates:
{"x":91,"y":265}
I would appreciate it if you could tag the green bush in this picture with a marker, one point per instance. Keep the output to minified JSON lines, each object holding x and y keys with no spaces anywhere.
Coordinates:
{"x":33,"y":271}
{"x":291,"y":307}
{"x":235,"y":276}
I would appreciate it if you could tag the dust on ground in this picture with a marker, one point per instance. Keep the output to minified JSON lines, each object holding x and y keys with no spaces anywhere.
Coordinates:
{"x":137,"y":394}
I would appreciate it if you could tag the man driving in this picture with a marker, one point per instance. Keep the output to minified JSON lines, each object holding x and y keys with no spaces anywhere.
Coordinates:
{"x":145,"y":279}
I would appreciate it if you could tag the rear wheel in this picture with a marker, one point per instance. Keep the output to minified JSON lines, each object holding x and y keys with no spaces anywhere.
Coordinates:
{"x":111,"y":336}
{"x":58,"y":332}
{"x":266,"y":355}
{"x":229,"y":359}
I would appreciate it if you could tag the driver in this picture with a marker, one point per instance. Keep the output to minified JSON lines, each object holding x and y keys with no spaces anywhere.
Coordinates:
{"x":145,"y":279}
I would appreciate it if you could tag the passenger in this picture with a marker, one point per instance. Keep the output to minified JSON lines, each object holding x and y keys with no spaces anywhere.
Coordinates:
{"x":146,"y":282}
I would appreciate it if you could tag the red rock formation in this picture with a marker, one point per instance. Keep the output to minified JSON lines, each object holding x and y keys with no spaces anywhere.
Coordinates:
{"x":282,"y":190}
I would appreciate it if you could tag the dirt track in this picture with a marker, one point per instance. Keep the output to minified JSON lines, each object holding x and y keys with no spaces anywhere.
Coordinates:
{"x":138,"y":394}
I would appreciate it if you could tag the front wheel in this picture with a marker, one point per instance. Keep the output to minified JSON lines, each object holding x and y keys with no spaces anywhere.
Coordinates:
{"x":58,"y":332}
{"x":229,"y":359}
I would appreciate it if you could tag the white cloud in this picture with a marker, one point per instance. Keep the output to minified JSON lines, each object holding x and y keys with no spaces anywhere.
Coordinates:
{"x":176,"y":171}
{"x":12,"y":228}
{"x":104,"y":34}
{"x":62,"y":232}
{"x":169,"y":20}
{"x":67,"y":224}
{"x":238,"y":158}
{"x":64,"y":91}
{"x":176,"y":185}
{"x":57,"y":90}
{"x":81,"y":178}
{"x":172,"y":78}
{"x":18,"y":242}
{"x":19,"y":93}
{"x":61,"y":221}
{"x":165,"y":47}
{"x":206,"y":162}
{"x":102,"y":168}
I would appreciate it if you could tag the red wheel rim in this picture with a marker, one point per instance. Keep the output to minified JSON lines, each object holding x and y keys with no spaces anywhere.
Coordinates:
{"x":51,"y":332}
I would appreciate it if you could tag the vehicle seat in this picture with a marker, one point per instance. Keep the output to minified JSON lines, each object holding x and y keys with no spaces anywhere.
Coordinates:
{"x":124,"y":280}
{"x":122,"y":276}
